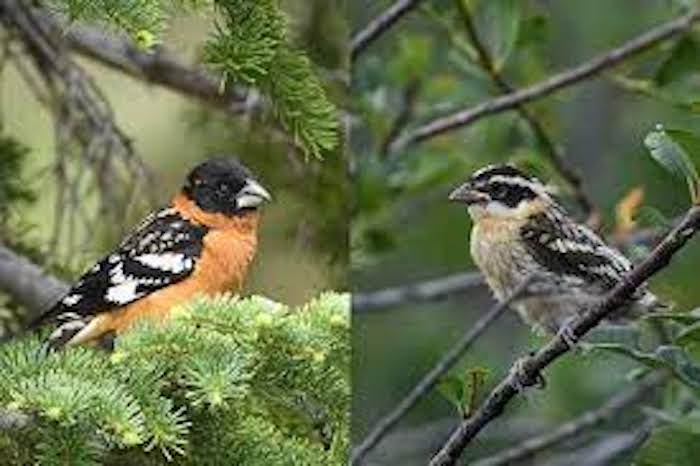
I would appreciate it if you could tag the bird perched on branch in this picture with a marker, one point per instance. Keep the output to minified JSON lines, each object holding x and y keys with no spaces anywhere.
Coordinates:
{"x":202,"y":243}
{"x":519,"y":230}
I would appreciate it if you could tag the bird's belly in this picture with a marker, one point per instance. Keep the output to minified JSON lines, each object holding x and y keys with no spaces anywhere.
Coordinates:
{"x":549,"y":313}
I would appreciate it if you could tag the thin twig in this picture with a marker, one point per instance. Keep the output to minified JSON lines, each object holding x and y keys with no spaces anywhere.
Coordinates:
{"x":428,"y":290}
{"x":156,"y":67}
{"x":551,"y":150}
{"x":550,"y":85}
{"x":527,"y":369}
{"x":433,"y":376}
{"x":404,"y":115}
{"x":361,"y":40}
{"x":616,"y":404}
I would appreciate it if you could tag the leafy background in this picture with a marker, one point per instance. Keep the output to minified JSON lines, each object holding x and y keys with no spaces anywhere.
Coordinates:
{"x":404,"y":231}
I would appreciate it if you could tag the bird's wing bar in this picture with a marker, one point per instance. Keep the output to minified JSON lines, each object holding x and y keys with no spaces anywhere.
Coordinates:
{"x":161,"y":251}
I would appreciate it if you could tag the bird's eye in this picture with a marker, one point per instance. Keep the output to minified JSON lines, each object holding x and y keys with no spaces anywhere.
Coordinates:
{"x":500,"y":192}
{"x":223,"y":188}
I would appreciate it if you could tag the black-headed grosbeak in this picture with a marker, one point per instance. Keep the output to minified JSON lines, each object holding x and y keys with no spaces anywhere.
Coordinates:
{"x":520,"y":230}
{"x":202,"y":243}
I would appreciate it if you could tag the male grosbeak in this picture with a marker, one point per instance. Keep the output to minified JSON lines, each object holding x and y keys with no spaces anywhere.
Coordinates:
{"x":519,"y":230}
{"x":202,"y":243}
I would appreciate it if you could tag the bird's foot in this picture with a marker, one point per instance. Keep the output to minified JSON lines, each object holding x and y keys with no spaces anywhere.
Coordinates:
{"x":566,"y":333}
{"x":520,"y":378}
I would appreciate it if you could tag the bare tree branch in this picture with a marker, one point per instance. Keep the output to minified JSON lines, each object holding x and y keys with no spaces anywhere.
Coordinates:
{"x":155,"y":66}
{"x":551,"y":150}
{"x":363,"y":38}
{"x":553,"y":84}
{"x":433,"y":376}
{"x":84,"y":128}
{"x":616,"y":404}
{"x":428,"y":290}
{"x":527,"y":370}
{"x":27,"y":283}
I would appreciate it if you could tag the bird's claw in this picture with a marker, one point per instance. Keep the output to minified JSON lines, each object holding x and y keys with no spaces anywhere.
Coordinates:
{"x":566,"y":333}
{"x":521,"y":380}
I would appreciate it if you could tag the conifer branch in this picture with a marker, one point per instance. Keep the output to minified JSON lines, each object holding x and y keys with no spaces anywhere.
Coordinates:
{"x":529,"y":368}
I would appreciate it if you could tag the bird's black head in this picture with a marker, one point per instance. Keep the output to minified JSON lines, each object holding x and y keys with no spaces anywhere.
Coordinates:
{"x":499,"y":190}
{"x":224,"y":185}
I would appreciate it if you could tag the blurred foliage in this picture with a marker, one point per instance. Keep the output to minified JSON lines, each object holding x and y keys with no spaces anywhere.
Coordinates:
{"x":227,"y":381}
{"x":403,"y":229}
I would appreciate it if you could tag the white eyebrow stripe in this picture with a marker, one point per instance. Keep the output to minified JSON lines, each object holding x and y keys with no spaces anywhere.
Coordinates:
{"x":483,"y":170}
{"x":537,"y":187}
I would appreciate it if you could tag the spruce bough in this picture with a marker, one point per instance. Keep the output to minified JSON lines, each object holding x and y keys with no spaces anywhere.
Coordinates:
{"x":226,"y":381}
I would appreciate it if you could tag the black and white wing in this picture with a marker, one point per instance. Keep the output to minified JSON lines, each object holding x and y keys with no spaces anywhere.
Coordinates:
{"x":161,"y":251}
{"x":571,"y":250}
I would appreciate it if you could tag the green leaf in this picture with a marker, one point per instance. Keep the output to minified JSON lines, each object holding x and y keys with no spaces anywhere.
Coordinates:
{"x":683,"y":318}
{"x":670,"y":446}
{"x":690,"y":334}
{"x":670,"y":357}
{"x":650,"y":217}
{"x":452,"y":387}
{"x":684,"y":59}
{"x":411,"y":59}
{"x":534,"y":30}
{"x":462,"y":390}
{"x":674,"y":158}
{"x":626,"y":335}
{"x":498,"y":22}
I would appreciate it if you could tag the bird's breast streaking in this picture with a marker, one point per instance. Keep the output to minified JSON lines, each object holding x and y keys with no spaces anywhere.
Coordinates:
{"x":520,"y":230}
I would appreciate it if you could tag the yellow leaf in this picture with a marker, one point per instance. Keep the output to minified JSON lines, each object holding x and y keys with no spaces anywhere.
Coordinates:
{"x":626,"y":210}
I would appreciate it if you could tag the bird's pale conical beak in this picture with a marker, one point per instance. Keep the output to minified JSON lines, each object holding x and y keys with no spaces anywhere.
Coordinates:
{"x":467,"y":195}
{"x":252,"y":195}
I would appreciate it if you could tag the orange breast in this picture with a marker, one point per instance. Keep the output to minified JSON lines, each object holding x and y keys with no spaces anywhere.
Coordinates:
{"x":228,"y":250}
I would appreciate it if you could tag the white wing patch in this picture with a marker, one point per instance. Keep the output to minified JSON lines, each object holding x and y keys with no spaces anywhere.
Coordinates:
{"x":168,"y":262}
{"x":123,"y":293}
{"x":72,"y":299}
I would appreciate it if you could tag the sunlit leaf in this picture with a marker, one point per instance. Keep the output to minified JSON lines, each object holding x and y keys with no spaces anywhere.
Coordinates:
{"x":453,"y":388}
{"x":463,"y":389}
